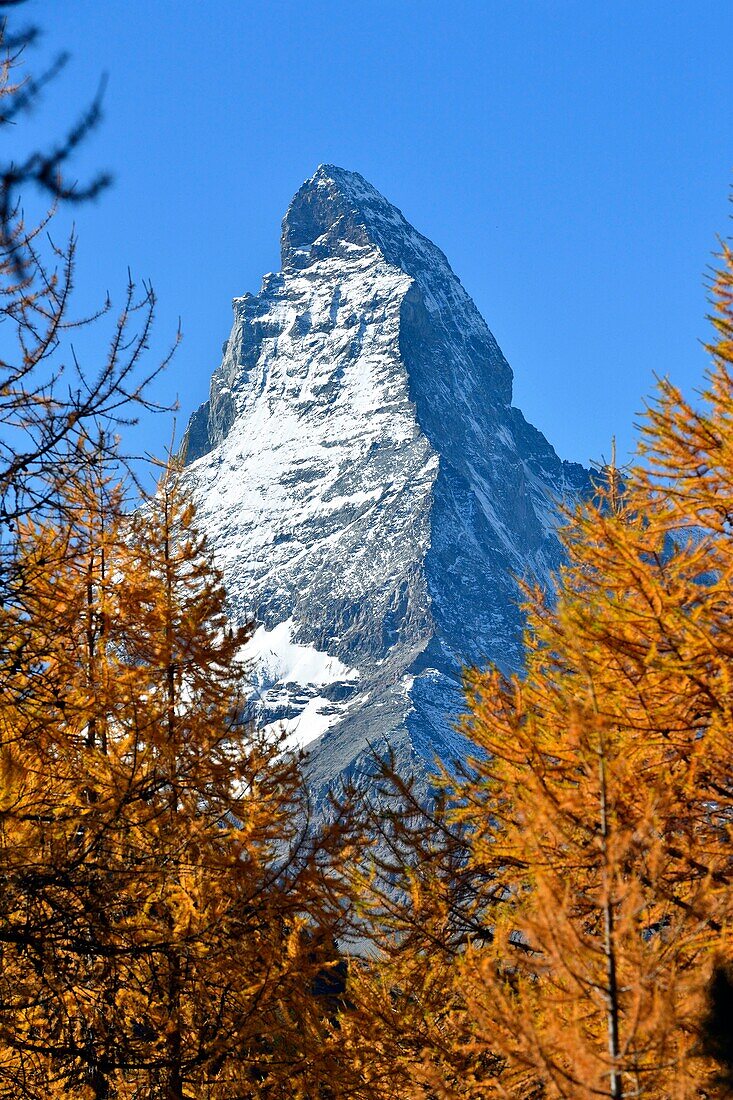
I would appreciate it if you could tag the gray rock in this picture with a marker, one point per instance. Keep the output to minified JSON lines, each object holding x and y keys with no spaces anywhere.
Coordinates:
{"x":368,"y":489}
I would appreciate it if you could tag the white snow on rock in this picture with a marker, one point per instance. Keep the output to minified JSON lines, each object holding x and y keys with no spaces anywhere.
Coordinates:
{"x":370,"y":492}
{"x":277,"y":659}
{"x":311,"y":723}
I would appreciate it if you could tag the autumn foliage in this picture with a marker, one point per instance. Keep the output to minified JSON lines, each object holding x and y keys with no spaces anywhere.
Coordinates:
{"x":553,"y":922}
{"x":166,"y":906}
{"x":549,"y":926}
{"x":599,"y":800}
{"x":168,"y":909}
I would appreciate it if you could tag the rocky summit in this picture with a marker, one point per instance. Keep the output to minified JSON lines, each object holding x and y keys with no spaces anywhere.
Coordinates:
{"x":369,"y":490}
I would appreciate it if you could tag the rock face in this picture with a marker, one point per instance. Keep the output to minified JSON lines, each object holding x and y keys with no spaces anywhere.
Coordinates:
{"x":367,"y":486}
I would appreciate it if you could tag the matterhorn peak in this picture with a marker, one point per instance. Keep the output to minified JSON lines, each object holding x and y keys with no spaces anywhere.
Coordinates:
{"x":369,"y":491}
{"x":336,"y":210}
{"x":332,"y":207}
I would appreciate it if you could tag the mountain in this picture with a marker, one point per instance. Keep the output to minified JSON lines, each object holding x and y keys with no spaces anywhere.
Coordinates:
{"x":368,"y":488}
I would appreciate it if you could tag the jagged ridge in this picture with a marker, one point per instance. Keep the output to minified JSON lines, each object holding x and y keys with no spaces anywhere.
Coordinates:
{"x":367,"y":486}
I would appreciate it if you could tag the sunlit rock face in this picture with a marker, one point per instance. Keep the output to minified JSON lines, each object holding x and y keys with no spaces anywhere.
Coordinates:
{"x":368,"y":488}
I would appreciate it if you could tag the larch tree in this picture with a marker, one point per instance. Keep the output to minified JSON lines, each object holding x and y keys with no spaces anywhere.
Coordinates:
{"x":594,"y":819}
{"x":249,"y":896}
{"x":421,"y":898}
{"x":173,"y":907}
{"x":60,"y":689}
{"x":53,"y":399}
{"x":602,"y":793}
{"x":169,"y":910}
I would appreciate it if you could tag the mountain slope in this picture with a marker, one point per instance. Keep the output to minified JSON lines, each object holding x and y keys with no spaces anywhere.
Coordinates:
{"x":369,"y":490}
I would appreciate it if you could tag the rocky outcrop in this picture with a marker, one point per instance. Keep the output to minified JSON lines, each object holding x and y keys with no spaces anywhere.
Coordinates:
{"x":369,"y":490}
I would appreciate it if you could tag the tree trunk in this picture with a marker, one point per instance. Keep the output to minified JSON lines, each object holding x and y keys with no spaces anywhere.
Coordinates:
{"x":609,"y":947}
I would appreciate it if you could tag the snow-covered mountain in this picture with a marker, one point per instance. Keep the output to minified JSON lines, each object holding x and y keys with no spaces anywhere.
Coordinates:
{"x":367,"y":486}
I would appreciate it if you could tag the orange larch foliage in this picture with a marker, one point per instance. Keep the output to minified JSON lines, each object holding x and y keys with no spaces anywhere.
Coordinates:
{"x":603,"y":797}
{"x":596,"y":815}
{"x":168,"y":906}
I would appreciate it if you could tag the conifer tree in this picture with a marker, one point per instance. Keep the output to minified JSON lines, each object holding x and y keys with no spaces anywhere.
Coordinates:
{"x":58,"y":681}
{"x":245,"y":893}
{"x":421,"y":899}
{"x":51,"y":399}
{"x":603,"y":795}
{"x":596,"y":812}
{"x":169,"y":905}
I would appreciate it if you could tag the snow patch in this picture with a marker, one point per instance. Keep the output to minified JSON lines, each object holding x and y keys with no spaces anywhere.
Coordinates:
{"x":278,"y":659}
{"x":309,"y":725}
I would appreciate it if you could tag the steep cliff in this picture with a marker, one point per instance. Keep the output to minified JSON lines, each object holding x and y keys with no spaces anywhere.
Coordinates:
{"x":367,"y":486}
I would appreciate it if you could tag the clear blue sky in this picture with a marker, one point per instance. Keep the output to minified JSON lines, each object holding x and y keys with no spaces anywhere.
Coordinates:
{"x":572,"y":158}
